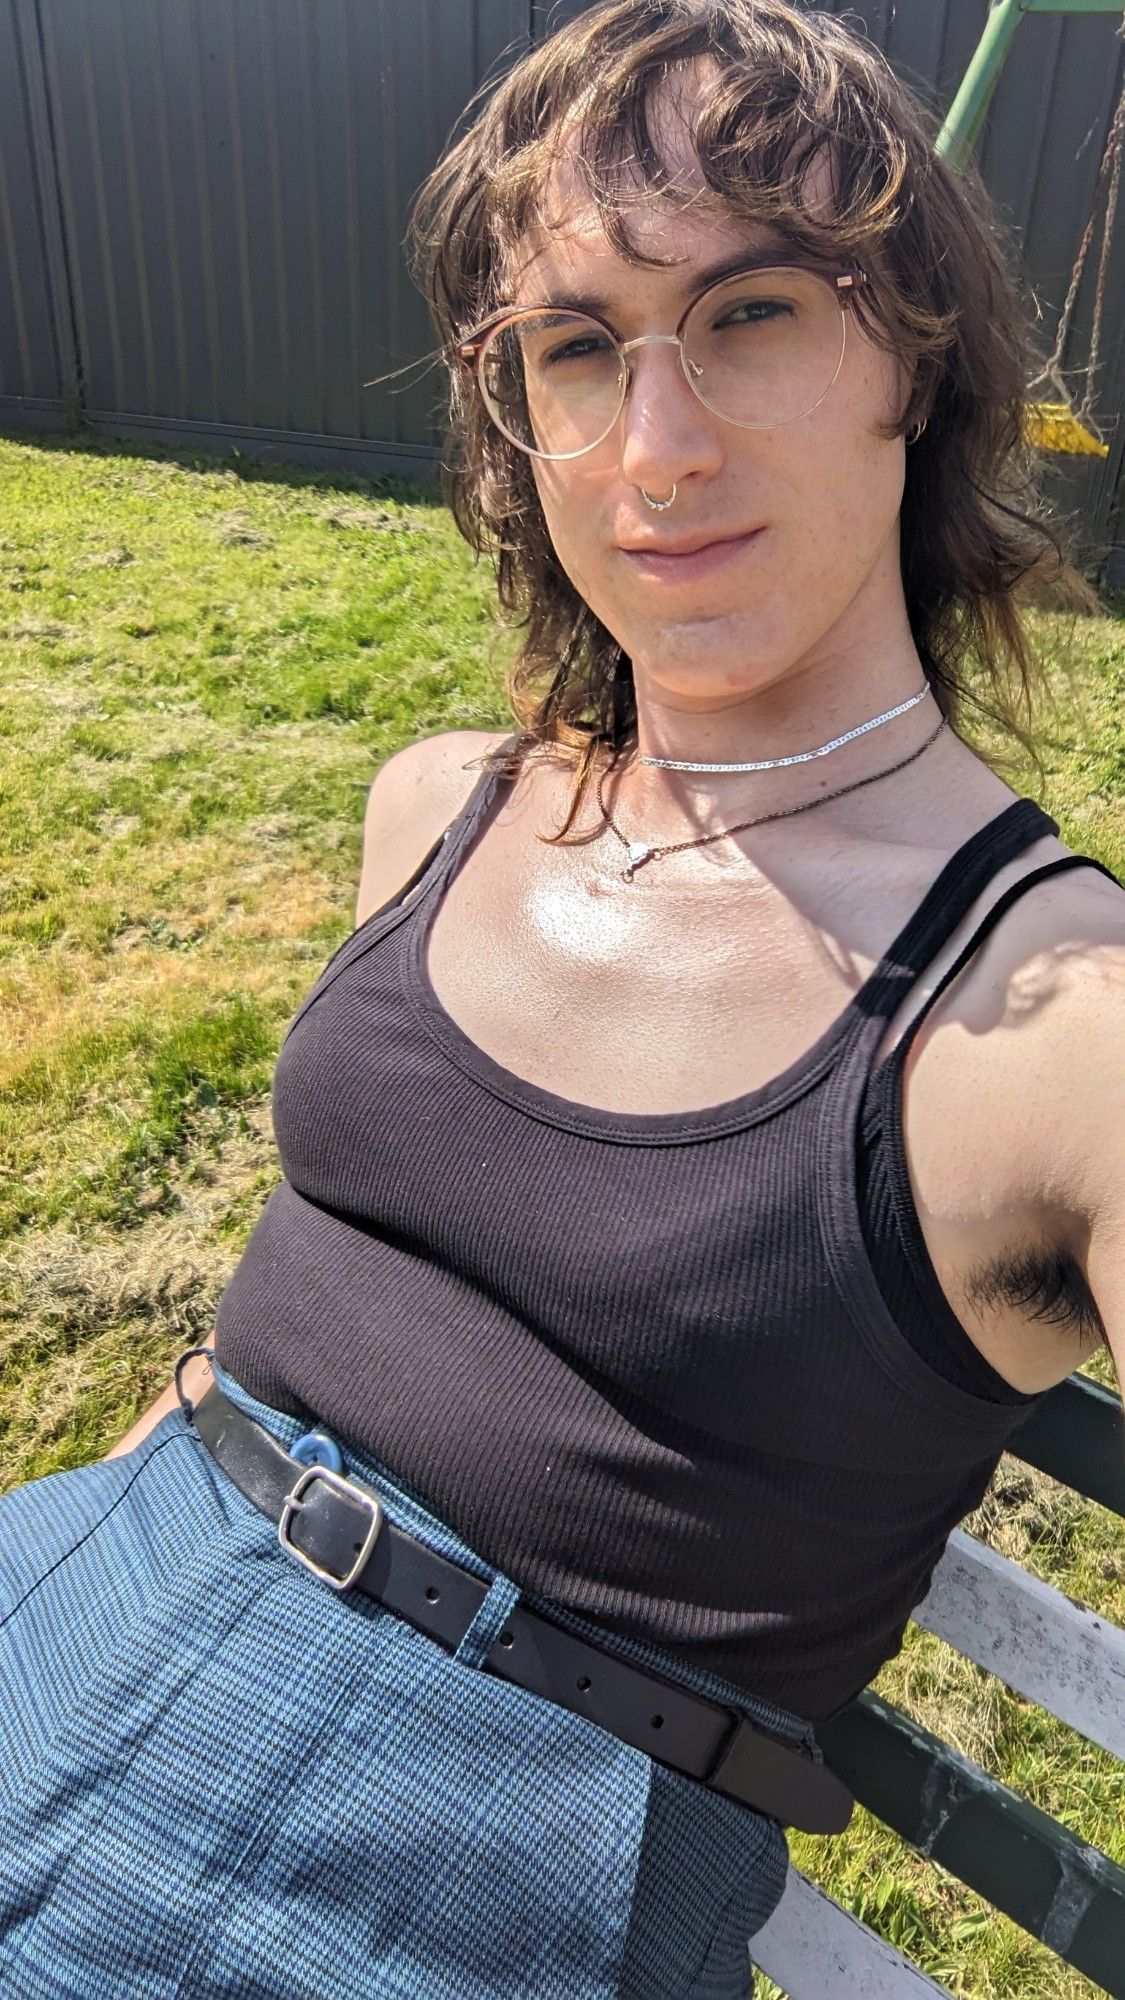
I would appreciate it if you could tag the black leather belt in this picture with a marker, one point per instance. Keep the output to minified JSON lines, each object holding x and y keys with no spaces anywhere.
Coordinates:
{"x":339,"y":1530}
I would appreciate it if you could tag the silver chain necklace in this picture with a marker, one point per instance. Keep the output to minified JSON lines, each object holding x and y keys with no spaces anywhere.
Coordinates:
{"x":641,"y":851}
{"x":801,"y":756}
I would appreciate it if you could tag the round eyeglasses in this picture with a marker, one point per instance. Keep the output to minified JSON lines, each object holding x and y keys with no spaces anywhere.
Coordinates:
{"x":759,"y":348}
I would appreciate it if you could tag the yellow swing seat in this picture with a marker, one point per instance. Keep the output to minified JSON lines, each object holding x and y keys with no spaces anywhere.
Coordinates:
{"x":1055,"y":427}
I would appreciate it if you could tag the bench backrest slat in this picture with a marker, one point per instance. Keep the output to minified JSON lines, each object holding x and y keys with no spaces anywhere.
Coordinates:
{"x":1039,"y":1642}
{"x":1047,"y":1648}
{"x":811,"y":1946}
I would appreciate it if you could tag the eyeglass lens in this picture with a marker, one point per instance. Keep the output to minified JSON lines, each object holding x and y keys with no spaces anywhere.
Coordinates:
{"x":759,"y":350}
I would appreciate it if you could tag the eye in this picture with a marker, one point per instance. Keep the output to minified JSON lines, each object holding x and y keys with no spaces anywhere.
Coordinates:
{"x":757,"y":311}
{"x":579,"y":349}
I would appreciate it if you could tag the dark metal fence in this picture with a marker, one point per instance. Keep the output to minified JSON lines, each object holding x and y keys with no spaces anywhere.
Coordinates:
{"x":203,"y":203}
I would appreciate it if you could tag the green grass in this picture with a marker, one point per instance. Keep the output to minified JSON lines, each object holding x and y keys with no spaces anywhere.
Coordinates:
{"x":202,"y":662}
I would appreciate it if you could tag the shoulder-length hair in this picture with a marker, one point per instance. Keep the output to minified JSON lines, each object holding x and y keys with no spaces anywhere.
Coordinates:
{"x":788,"y":85}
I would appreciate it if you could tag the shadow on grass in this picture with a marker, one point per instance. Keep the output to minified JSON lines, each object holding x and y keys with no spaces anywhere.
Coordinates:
{"x":251,"y":470}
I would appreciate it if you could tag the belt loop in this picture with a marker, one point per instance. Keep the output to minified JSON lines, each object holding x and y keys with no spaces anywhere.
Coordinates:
{"x":488,"y":1622}
{"x":186,"y":1405}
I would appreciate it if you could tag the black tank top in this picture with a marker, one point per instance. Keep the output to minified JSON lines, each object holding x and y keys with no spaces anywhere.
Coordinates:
{"x":689,"y":1373}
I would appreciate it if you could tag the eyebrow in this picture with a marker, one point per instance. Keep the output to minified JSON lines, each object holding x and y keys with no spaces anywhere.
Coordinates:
{"x":693,"y":281}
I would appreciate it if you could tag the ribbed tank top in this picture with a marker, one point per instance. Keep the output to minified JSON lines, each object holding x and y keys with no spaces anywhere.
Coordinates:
{"x":690,"y":1374}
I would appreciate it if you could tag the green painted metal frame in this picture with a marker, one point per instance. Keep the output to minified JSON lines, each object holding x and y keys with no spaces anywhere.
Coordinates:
{"x":966,"y":114}
{"x":1077,"y":1434}
{"x":1069,"y":1895}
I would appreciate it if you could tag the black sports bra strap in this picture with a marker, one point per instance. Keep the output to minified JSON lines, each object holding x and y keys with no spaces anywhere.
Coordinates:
{"x":987,"y":924}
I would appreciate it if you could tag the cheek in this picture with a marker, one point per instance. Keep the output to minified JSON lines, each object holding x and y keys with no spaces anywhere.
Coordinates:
{"x":853,"y":479}
{"x":839,"y":479}
{"x":573,"y":513}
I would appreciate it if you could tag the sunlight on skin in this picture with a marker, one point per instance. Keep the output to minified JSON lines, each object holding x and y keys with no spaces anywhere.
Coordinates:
{"x":597,"y":930}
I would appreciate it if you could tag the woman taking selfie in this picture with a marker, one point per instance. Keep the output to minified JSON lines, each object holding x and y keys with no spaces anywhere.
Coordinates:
{"x":696,"y":1162}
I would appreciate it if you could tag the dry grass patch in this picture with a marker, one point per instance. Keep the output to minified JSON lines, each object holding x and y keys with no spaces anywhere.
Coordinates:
{"x":90,"y":1323}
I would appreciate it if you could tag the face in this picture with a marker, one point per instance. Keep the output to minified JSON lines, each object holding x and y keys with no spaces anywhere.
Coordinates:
{"x":818,"y":585}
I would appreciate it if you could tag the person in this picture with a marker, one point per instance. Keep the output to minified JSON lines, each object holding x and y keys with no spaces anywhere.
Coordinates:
{"x":697,"y":1161}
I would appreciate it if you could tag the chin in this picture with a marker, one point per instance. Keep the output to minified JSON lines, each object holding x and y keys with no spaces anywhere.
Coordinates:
{"x":718,"y":653}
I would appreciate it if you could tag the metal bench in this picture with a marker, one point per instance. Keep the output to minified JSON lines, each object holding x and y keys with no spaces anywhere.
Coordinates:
{"x":1045,"y":1647}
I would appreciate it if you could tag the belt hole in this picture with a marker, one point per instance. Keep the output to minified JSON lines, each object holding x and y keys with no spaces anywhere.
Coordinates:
{"x":658,"y":1722}
{"x":506,"y":1639}
{"x":584,"y":1682}
{"x":431,"y":1593}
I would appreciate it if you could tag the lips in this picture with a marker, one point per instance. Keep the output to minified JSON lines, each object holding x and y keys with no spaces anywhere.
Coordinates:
{"x":685,"y":547}
{"x":685,"y":561}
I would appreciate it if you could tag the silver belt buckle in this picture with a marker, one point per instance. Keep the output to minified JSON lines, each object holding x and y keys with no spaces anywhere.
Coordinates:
{"x":293,"y":1504}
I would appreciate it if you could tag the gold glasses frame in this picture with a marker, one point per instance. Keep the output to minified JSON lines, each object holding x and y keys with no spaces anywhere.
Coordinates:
{"x":842,"y":279}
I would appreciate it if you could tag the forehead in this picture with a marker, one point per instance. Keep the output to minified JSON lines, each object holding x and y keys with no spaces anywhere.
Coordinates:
{"x":684,"y":223}
{"x":580,"y":257}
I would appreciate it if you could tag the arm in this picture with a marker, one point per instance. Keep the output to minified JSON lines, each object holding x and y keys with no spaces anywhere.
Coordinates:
{"x":1014,"y":1095}
{"x":194,"y":1382}
{"x":1106,"y":1271}
{"x":1089,"y":1157}
{"x":1105,"y":1199}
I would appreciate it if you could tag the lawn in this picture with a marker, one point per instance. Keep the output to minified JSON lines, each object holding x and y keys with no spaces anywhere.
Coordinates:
{"x":202,"y":663}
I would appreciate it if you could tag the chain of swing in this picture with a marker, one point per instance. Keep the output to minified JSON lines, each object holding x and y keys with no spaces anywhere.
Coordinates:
{"x":1058,"y":426}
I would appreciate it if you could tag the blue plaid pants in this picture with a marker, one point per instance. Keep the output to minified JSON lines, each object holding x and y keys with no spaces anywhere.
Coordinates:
{"x":219,"y":1777}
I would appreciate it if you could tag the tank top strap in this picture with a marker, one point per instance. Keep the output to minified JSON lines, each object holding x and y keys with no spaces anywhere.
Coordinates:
{"x":431,"y":873}
{"x":465,"y":821}
{"x":953,"y":892}
{"x":449,"y":843}
{"x":992,"y":916}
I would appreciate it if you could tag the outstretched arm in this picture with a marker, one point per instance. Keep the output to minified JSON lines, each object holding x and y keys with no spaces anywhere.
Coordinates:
{"x":1092,"y":1138}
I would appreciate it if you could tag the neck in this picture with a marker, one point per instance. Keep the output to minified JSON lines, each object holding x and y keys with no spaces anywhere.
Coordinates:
{"x":756,"y":764}
{"x":798,"y":712}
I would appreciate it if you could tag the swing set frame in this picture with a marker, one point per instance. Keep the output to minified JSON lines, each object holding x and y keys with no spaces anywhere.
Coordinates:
{"x":966,"y":114}
{"x":1055,"y":426}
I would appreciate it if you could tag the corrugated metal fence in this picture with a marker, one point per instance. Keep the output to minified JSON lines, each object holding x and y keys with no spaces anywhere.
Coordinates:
{"x":203,"y":202}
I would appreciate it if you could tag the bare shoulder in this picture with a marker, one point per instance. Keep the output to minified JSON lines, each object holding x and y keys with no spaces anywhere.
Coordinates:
{"x":1050,"y":1103}
{"x":1064,"y":984}
{"x":1059,"y":953}
{"x":412,"y":798}
{"x":1024,"y":1053}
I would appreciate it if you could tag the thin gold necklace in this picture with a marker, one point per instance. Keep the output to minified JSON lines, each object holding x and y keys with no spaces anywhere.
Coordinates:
{"x":641,"y":851}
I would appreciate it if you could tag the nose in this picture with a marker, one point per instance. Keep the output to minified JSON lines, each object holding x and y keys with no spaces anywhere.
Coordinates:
{"x":666,"y":432}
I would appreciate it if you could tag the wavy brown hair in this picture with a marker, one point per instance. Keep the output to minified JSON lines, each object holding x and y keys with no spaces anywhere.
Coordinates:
{"x":791,"y":85}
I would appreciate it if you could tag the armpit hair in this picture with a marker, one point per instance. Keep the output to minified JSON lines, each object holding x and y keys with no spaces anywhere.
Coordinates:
{"x":1044,"y":1283}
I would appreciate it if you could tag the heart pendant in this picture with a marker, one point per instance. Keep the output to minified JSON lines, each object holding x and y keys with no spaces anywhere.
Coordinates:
{"x":639,"y":853}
